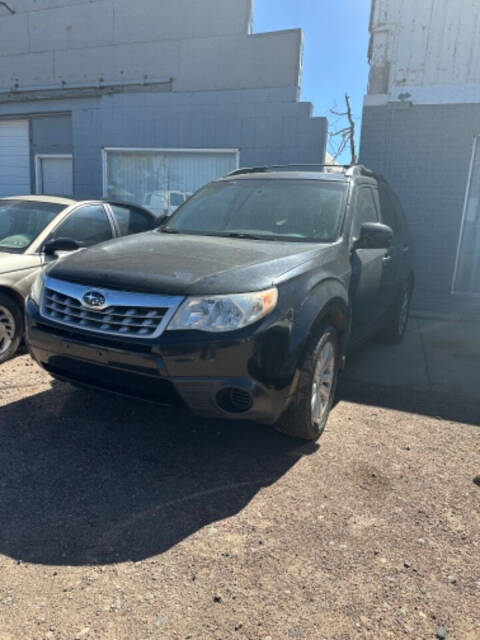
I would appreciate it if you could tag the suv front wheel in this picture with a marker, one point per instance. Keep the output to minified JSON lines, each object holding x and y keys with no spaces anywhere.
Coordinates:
{"x":308,"y":411}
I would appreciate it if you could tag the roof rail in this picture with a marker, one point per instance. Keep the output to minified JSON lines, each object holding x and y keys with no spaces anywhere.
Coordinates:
{"x":317,"y":168}
{"x":358,"y":169}
{"x":347,"y":169}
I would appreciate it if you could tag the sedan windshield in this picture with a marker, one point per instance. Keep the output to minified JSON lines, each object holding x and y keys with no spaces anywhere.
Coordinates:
{"x":288,"y":209}
{"x":22,"y":220}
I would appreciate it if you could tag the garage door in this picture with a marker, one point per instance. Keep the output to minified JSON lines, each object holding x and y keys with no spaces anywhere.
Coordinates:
{"x":161,"y":179}
{"x":14,"y":157}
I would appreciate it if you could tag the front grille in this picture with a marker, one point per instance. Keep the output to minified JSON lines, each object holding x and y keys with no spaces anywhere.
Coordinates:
{"x":131,"y":321}
{"x":123,"y":314}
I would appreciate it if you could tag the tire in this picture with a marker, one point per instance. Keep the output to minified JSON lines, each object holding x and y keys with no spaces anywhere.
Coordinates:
{"x":304,"y":418}
{"x":396,"y":323}
{"x":11,"y":327}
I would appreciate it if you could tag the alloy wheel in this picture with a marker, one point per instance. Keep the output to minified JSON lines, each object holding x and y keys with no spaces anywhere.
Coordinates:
{"x":7,"y":329}
{"x":322,"y":384}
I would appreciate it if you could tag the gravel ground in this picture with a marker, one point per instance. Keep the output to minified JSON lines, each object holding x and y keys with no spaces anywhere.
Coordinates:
{"x":125,"y":521}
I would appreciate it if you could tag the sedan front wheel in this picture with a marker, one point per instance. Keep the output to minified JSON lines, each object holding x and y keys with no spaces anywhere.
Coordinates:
{"x":11,"y":327}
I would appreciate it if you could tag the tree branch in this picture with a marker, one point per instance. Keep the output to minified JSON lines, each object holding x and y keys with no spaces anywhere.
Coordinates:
{"x":4,"y":4}
{"x":347,"y":134}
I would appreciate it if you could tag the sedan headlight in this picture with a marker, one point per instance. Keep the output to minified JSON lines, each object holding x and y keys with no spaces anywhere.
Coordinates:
{"x":37,"y":288}
{"x":224,"y":313}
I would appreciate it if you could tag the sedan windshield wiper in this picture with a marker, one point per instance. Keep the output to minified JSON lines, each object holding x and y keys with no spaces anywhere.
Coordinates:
{"x":169,"y":230}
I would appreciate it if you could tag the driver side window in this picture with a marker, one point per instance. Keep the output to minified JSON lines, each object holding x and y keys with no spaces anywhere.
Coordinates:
{"x":364,"y":210}
{"x":88,"y":224}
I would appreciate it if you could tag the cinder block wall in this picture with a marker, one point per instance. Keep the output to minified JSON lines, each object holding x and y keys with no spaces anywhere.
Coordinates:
{"x":199,"y":44}
{"x":212,"y":83}
{"x":424,"y":151}
{"x":268,"y":126}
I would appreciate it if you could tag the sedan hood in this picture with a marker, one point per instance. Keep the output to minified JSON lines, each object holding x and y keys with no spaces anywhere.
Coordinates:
{"x":17,"y":262}
{"x":156,"y":262}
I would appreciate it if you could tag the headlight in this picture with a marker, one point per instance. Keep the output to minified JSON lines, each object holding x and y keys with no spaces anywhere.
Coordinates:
{"x":224,"y":313}
{"x":37,"y":289}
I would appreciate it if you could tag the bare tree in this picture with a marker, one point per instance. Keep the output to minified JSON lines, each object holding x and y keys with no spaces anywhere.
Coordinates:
{"x":346,"y":134}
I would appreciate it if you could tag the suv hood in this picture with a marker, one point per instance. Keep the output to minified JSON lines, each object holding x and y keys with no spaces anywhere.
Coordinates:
{"x":17,"y":262}
{"x":154,"y":262}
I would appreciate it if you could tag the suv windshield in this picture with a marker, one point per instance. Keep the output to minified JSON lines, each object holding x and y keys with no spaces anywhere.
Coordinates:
{"x":21,"y":221}
{"x":287,"y":209}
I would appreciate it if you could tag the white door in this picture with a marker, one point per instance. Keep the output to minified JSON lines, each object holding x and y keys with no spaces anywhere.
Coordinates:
{"x":14,"y":158}
{"x":54,"y":175}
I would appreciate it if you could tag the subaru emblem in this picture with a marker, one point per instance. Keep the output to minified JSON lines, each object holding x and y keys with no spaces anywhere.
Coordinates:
{"x":94,"y":300}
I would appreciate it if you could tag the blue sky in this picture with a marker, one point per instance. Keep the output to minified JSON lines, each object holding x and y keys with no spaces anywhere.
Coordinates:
{"x":335,"y":54}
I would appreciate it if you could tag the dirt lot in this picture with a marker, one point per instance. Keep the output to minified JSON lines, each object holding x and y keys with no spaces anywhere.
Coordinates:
{"x":126,"y":521}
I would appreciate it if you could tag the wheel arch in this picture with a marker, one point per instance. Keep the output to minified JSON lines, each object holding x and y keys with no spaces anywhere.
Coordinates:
{"x":327,"y":304}
{"x":14,"y":295}
{"x":336,"y":314}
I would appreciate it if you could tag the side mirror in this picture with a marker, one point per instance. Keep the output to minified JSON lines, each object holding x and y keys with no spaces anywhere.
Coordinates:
{"x":60,"y":244}
{"x":374,"y":235}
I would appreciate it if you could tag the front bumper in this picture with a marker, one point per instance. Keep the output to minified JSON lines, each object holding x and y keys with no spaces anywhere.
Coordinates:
{"x":196,"y":368}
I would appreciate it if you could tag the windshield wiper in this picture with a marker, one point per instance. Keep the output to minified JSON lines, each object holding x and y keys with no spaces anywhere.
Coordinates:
{"x":10,"y":250}
{"x":247,"y":236}
{"x":232,"y":234}
{"x":170,"y":230}
{"x":189,"y":232}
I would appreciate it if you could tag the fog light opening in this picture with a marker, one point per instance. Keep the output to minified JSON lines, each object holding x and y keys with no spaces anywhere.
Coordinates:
{"x":234,"y":400}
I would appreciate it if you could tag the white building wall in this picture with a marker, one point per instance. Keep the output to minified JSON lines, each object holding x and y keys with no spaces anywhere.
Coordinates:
{"x":424,"y":51}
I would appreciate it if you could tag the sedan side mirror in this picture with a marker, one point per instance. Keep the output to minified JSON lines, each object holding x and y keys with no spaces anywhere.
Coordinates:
{"x":374,"y":235}
{"x":60,"y":244}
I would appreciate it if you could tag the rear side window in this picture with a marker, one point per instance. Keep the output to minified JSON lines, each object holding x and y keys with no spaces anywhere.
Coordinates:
{"x":88,"y":224}
{"x":364,"y":210}
{"x":131,"y":220}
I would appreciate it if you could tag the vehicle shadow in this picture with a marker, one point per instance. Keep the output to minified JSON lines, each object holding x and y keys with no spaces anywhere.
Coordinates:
{"x":401,"y":394}
{"x":430,"y":404}
{"x":87,"y":478}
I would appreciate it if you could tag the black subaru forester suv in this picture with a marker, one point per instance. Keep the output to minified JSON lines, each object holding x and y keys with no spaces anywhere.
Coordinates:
{"x":242,"y":304}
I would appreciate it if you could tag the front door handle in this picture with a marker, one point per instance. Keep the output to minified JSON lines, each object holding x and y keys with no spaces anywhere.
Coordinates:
{"x":388,"y":255}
